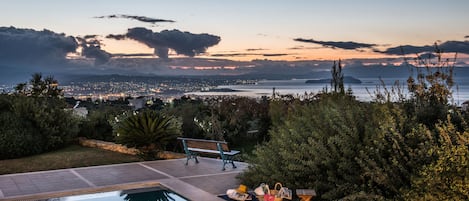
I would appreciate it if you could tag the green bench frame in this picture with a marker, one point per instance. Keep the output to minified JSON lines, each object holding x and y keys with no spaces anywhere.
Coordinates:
{"x":194,"y":146}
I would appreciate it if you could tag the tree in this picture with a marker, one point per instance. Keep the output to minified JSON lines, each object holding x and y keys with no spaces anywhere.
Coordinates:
{"x":149,"y":131}
{"x":34,"y":125}
{"x":337,"y":81}
{"x":47,"y":87}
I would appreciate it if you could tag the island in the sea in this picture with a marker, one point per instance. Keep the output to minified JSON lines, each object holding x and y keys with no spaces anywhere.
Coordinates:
{"x":223,"y":90}
{"x":347,"y":79}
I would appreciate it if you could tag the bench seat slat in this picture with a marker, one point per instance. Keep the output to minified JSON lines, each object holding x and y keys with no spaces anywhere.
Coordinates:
{"x":203,"y":150}
{"x":231,"y":153}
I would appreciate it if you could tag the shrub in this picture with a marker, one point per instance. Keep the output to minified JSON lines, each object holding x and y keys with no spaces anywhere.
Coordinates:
{"x":343,"y":148}
{"x":32,"y":125}
{"x":97,"y":124}
{"x":148,"y":131}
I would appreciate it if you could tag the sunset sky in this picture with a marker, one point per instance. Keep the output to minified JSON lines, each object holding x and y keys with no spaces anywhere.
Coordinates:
{"x":241,"y":30}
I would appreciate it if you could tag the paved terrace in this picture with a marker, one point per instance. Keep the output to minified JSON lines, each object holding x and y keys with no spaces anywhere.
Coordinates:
{"x":202,"y":181}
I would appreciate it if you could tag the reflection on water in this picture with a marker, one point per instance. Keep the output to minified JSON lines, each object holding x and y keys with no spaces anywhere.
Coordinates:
{"x":364,"y":91}
{"x":142,"y":194}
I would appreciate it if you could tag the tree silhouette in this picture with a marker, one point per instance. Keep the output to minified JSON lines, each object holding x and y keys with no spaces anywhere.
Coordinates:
{"x":337,"y":81}
{"x":40,"y":87}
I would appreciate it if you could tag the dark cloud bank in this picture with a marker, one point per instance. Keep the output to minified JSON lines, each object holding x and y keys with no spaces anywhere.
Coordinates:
{"x":184,"y":43}
{"x":31,"y":46}
{"x":91,"y":48}
{"x":448,"y":47}
{"x":25,"y":51}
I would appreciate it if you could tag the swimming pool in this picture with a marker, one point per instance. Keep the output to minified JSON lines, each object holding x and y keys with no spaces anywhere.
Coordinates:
{"x":141,"y":194}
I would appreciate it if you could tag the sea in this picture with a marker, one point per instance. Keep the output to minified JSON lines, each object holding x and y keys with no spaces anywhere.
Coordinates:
{"x":366,"y":91}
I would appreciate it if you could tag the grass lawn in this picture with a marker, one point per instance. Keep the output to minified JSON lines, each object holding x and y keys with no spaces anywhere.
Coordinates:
{"x":69,"y":157}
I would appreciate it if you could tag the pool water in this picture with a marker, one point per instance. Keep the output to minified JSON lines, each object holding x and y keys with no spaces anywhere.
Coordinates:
{"x":143,"y":194}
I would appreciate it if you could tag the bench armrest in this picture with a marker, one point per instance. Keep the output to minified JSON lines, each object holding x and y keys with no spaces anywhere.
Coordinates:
{"x":232,"y":152}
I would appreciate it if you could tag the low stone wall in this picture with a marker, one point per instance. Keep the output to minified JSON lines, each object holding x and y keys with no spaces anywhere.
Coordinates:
{"x":123,"y":149}
{"x":107,"y":146}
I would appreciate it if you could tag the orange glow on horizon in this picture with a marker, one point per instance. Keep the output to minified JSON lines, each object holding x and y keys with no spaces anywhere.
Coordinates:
{"x":125,"y":46}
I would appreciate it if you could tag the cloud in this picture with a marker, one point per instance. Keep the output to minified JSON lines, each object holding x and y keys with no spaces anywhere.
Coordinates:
{"x":455,"y":46}
{"x":274,"y":55}
{"x":133,"y":55}
{"x":90,"y":36}
{"x":91,"y":48}
{"x":407,"y":49}
{"x":30,"y":46}
{"x":248,"y":54}
{"x":135,"y":17}
{"x":233,"y":55}
{"x":300,"y":47}
{"x":116,"y":36}
{"x":333,"y":44}
{"x":448,"y":47}
{"x":184,"y":43}
{"x":255,"y":49}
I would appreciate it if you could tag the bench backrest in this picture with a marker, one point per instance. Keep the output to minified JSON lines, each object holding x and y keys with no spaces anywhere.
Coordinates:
{"x":205,"y":144}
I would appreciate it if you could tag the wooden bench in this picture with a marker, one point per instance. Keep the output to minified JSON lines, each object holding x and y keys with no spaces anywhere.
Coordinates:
{"x":194,"y":146}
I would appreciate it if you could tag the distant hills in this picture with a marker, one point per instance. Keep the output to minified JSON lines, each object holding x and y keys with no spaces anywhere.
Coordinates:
{"x":347,"y":80}
{"x":14,"y":76}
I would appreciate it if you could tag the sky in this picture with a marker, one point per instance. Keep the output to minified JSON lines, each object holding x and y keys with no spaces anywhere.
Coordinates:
{"x":185,"y":36}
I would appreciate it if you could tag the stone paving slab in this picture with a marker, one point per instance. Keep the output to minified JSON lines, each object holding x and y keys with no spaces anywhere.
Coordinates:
{"x":39,"y":182}
{"x":202,"y":181}
{"x":214,"y":184}
{"x":177,"y":168}
{"x":109,"y":175}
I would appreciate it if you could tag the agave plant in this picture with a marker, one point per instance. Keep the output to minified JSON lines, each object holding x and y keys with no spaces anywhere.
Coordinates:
{"x":149,"y":131}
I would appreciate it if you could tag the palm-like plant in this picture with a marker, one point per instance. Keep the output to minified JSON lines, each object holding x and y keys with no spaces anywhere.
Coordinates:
{"x":148,"y":131}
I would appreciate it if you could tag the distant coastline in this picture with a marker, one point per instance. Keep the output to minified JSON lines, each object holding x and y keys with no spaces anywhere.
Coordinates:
{"x":223,"y":90}
{"x":347,"y":79}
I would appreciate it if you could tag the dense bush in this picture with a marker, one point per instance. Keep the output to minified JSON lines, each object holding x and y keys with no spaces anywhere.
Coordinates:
{"x":411,"y":149}
{"x":224,"y":118}
{"x":350,"y":150}
{"x":188,"y":110}
{"x":32,"y":125}
{"x":97,"y":124}
{"x":446,"y":178}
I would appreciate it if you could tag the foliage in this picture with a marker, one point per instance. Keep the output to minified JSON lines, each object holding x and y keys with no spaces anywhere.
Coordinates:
{"x":32,"y":125}
{"x":337,"y":81}
{"x":241,"y":121}
{"x":314,"y":147}
{"x":342,"y":148}
{"x":393,"y":152}
{"x":430,"y":89}
{"x":34,"y":120}
{"x":189,"y":110}
{"x":40,"y":87}
{"x":413,"y":148}
{"x":149,"y":131}
{"x":236,"y":120}
{"x":97,"y":124}
{"x":447,"y":178}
